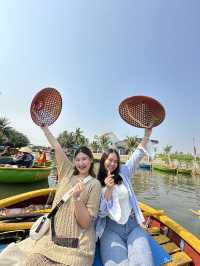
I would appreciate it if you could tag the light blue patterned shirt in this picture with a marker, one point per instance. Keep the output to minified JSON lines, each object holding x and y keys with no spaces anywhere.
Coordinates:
{"x":126,"y":172}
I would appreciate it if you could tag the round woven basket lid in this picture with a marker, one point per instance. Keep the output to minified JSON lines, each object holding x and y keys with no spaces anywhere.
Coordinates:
{"x":142,"y":111}
{"x":46,"y":107}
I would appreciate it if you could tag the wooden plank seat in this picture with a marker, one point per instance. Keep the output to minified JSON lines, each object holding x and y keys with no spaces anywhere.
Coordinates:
{"x":153,"y":231}
{"x":16,"y":234}
{"x":161,"y":239}
{"x":171,"y":247}
{"x":179,"y":259}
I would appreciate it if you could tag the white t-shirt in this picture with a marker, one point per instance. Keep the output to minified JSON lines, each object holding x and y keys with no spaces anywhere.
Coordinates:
{"x":121,"y":208}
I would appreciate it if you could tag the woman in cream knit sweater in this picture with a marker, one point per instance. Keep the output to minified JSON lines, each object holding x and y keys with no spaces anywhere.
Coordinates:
{"x":74,"y":242}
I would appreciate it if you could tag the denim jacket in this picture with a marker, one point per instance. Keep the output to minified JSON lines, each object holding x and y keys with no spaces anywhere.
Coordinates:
{"x":126,"y":172}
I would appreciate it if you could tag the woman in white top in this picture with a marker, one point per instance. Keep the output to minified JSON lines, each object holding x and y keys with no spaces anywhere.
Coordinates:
{"x":122,"y":239}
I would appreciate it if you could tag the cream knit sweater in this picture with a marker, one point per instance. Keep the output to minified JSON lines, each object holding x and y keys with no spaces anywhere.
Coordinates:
{"x":65,"y":221}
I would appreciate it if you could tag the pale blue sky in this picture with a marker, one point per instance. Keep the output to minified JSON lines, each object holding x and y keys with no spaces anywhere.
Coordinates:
{"x":97,"y":53}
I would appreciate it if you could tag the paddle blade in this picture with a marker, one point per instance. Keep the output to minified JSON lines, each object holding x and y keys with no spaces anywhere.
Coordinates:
{"x":46,"y":107}
{"x":142,"y":111}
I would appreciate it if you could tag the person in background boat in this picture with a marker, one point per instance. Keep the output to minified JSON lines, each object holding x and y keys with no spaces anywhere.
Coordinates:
{"x":6,"y":151}
{"x":18,"y":154}
{"x":74,"y":242}
{"x":24,"y":158}
{"x":41,"y":158}
{"x":123,"y":241}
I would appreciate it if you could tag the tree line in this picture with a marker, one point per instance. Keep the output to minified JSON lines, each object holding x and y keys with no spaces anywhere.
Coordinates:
{"x":68,"y":140}
{"x":10,"y":136}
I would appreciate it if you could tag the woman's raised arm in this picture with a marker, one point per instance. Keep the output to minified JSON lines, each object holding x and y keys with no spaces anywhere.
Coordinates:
{"x":62,"y":161}
{"x":138,"y":154}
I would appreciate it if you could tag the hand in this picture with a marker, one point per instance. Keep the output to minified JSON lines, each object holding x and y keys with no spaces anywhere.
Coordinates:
{"x":43,"y":126}
{"x":78,"y":188}
{"x":144,"y":226}
{"x":109,"y":182}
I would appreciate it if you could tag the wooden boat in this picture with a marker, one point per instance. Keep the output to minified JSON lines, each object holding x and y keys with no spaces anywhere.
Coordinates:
{"x":9,"y":159}
{"x":182,"y":245}
{"x":23,"y":175}
{"x":172,"y":170}
{"x":5,"y":159}
{"x":184,"y":171}
{"x":47,"y":163}
{"x":164,"y":168}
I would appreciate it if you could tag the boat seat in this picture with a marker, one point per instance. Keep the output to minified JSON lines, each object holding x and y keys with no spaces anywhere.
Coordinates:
{"x":9,"y":234}
{"x":153,"y":231}
{"x":179,"y":259}
{"x":171,"y":247}
{"x":161,"y":239}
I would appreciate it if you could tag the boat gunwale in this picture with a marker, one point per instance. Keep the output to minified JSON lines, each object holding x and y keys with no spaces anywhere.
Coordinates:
{"x":183,"y":233}
{"x":25,"y":196}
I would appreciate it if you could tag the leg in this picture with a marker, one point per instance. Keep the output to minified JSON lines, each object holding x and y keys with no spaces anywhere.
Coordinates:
{"x":113,"y":249}
{"x":139,"y":250}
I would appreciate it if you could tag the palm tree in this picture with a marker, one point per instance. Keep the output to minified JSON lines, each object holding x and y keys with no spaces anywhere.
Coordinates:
{"x":10,"y":135}
{"x":4,"y":129}
{"x":167,"y":150}
{"x":94,"y":146}
{"x":131,"y":143}
{"x":17,"y":139}
{"x":83,"y":141}
{"x":104,"y":142}
{"x":78,"y":137}
{"x":66,"y":139}
{"x":4,"y":122}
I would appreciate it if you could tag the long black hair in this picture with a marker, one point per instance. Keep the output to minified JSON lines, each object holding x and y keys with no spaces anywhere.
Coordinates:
{"x":102,"y":174}
{"x":88,"y":152}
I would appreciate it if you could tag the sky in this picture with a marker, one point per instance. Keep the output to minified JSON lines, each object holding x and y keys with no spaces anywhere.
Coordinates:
{"x":97,"y":53}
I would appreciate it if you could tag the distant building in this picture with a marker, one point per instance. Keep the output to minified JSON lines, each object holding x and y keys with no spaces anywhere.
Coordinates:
{"x":120,"y":145}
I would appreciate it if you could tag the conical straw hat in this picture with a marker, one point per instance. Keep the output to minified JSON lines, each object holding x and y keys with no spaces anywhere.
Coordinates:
{"x":25,"y":149}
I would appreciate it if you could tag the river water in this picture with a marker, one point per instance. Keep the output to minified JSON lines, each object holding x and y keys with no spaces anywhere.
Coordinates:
{"x":176,"y":194}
